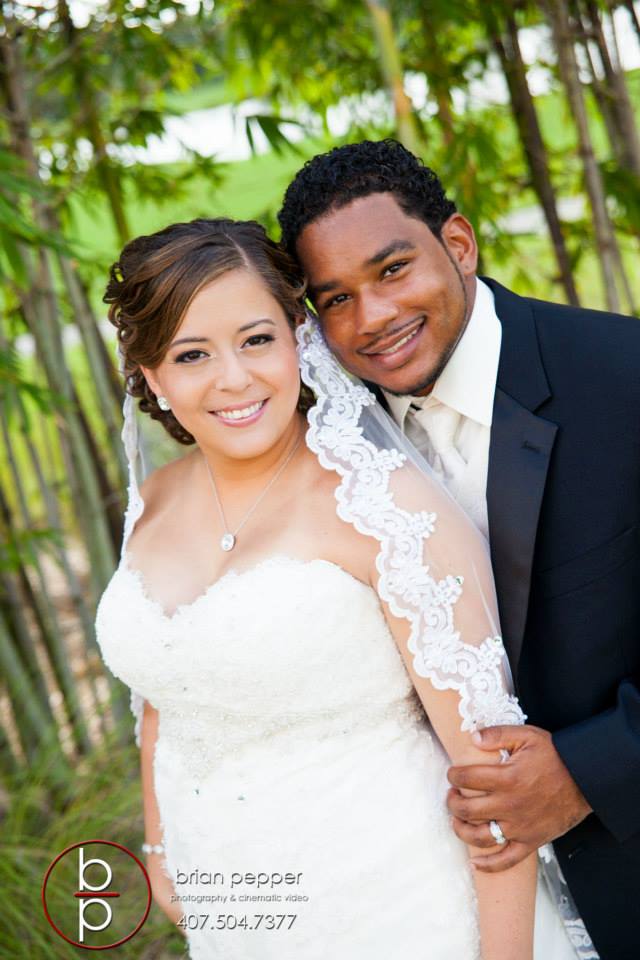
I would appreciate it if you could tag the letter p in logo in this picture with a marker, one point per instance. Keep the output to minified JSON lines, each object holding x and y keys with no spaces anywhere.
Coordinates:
{"x":84,"y":885}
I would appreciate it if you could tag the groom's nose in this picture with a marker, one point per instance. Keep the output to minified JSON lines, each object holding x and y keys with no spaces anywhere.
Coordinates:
{"x":374,"y":313}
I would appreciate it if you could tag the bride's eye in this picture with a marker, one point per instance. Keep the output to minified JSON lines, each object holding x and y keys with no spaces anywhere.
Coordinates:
{"x":189,"y":356}
{"x":258,"y":340}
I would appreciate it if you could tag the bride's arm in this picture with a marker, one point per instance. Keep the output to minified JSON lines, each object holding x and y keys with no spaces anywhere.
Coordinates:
{"x":506,"y":901}
{"x":161,"y":884}
{"x":445,"y":623}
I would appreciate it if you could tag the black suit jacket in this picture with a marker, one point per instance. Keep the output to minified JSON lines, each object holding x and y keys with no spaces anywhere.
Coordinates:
{"x":563,"y":496}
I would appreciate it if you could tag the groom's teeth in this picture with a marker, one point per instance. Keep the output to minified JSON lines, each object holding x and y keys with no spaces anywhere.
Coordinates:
{"x":400,"y":343}
{"x":240,"y":414}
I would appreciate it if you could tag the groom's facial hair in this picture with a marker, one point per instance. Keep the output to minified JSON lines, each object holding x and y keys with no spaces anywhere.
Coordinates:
{"x":433,"y":375}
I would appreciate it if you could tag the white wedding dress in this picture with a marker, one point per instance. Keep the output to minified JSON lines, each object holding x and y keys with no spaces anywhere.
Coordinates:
{"x":291,"y":741}
{"x":300,"y":787}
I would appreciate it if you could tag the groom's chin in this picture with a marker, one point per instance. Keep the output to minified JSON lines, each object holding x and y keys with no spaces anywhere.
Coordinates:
{"x":412,"y":383}
{"x":419,"y":389}
{"x":413,"y":387}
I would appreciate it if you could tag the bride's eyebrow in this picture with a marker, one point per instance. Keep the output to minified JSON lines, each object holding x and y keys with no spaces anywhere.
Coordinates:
{"x":246,"y":326}
{"x":254,"y":323}
{"x":189,"y":340}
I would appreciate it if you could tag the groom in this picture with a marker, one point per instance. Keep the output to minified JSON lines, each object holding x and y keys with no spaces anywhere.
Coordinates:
{"x":529,"y":412}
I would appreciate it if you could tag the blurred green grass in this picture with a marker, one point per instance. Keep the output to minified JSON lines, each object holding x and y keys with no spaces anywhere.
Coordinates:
{"x":101,"y":799}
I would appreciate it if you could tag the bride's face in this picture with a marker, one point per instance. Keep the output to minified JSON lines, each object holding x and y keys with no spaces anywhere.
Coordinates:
{"x":231,"y":372}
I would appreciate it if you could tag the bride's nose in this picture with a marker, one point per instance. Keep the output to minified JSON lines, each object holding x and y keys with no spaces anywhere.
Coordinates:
{"x":232,"y":373}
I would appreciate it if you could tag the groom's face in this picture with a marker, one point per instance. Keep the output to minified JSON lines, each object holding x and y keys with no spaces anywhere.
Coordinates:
{"x":392,"y":298}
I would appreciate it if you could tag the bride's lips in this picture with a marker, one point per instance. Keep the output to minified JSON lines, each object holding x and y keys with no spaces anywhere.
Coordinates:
{"x":395,"y":351}
{"x":240,"y":414}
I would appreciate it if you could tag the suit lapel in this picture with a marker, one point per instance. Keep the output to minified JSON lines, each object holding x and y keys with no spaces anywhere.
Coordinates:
{"x":518,"y":461}
{"x":519,"y":455}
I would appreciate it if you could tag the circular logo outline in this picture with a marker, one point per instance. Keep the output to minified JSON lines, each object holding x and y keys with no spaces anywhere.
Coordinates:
{"x":75,"y":943}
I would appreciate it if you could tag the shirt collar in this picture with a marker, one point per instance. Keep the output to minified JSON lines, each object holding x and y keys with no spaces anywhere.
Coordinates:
{"x":468,"y":382}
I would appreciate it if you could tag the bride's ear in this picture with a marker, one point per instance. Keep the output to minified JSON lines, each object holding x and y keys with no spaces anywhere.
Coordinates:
{"x":152,"y":382}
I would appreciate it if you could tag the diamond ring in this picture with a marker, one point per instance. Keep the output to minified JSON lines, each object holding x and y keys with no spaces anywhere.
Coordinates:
{"x":496,"y":832}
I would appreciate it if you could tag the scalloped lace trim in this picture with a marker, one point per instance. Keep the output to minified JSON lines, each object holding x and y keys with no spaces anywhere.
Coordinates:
{"x":364,"y":499}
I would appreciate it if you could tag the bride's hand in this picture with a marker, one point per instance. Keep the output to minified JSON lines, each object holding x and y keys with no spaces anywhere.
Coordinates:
{"x":163,"y":890}
{"x":532,"y":796}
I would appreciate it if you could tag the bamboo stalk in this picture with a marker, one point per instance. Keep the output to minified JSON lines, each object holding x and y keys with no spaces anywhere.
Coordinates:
{"x":607,"y":247}
{"x":9,"y":762}
{"x":82,"y":72}
{"x":32,"y":722}
{"x":535,"y":151}
{"x":391,"y":66}
{"x":119,"y":703}
{"x":635,"y":20}
{"x":74,"y":587}
{"x":628,"y":139}
{"x":40,"y":308}
{"x":41,"y":598}
{"x":12,"y":608}
{"x":86,"y":321}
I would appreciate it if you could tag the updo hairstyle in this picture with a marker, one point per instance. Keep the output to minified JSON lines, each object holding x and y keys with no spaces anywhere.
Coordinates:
{"x":156,"y":277}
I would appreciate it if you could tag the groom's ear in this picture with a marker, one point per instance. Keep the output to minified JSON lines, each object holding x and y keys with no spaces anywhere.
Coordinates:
{"x":460,"y":240}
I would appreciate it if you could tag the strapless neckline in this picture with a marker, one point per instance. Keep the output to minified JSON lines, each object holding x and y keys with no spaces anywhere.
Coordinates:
{"x":125,"y":568}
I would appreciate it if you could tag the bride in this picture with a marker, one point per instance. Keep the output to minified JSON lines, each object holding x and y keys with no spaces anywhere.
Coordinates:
{"x":308,"y":625}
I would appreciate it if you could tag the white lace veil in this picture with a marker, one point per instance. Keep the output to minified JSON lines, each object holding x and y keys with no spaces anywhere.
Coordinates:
{"x":434,"y":565}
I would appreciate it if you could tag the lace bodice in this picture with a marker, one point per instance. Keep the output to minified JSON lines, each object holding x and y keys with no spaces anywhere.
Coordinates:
{"x":286,"y":647}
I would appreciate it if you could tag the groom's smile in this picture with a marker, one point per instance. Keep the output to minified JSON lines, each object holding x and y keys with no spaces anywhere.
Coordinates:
{"x":393,"y":299}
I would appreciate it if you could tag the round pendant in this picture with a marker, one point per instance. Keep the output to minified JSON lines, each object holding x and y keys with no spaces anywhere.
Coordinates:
{"x":228,"y":542}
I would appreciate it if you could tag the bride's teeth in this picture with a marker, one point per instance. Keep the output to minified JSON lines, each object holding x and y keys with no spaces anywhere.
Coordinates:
{"x":240,"y":414}
{"x":400,"y":343}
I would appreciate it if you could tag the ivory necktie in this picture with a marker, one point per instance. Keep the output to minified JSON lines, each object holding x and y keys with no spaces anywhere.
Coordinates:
{"x":441,"y":423}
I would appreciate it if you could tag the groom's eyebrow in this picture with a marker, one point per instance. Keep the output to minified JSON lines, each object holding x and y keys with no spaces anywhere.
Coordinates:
{"x":394,"y":247}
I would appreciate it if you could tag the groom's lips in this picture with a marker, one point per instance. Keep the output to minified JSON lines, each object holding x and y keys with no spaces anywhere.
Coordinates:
{"x":396,"y":350}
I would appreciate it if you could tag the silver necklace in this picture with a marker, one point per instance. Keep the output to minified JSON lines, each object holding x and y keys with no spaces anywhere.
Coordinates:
{"x":228,"y":539}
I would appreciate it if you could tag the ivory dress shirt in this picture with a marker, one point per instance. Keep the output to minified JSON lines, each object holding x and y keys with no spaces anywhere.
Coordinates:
{"x":451,"y":426}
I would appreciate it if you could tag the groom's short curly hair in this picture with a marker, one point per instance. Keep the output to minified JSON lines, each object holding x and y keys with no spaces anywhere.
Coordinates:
{"x":332,"y":180}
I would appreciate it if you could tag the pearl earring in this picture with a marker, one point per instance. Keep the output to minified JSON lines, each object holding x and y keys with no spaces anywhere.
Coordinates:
{"x":164,"y":404}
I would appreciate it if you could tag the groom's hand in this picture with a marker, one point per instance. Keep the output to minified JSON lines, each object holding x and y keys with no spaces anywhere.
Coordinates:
{"x":532,"y":796}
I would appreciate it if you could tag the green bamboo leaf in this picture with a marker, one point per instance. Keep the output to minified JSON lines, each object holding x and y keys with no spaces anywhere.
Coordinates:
{"x":16,"y":269}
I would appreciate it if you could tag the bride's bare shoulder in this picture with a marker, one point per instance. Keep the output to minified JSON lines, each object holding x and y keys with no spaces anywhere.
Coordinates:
{"x":166,"y":483}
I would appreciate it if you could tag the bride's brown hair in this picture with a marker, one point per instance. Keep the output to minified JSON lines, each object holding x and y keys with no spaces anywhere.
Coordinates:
{"x":156,"y":277}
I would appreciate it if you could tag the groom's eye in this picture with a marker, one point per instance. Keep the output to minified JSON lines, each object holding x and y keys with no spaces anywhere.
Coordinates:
{"x":334,"y":301}
{"x":394,"y":267}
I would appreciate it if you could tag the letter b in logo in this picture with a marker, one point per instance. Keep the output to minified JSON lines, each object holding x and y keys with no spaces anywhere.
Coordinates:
{"x":88,"y":898}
